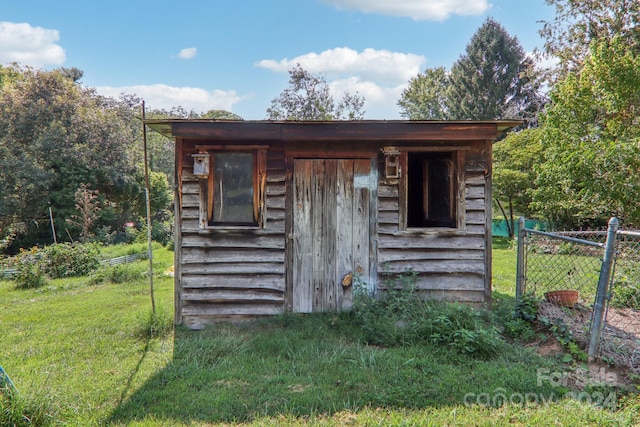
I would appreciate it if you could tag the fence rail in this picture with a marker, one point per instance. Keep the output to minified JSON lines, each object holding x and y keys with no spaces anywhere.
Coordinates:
{"x":603,"y":269}
{"x":125,"y":259}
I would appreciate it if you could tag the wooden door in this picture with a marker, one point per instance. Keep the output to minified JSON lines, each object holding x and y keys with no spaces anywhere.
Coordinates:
{"x":333,"y":226}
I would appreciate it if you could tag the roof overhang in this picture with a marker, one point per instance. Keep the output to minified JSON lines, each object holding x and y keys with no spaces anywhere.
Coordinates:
{"x":367,"y":130}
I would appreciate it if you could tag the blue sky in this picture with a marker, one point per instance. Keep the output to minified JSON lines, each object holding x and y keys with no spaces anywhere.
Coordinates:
{"x":234,"y":54}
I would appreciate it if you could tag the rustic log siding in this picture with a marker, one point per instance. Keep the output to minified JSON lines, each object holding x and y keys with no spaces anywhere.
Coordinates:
{"x":227,"y":273}
{"x":450,"y":265}
{"x":232,"y":273}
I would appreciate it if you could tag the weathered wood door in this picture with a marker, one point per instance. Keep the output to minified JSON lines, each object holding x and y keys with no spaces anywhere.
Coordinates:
{"x":333,"y":226}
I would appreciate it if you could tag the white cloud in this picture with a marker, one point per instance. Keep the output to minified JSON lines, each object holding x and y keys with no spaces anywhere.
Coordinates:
{"x":380,"y":101}
{"x":34,"y":46}
{"x":419,"y":10}
{"x":188,"y":53}
{"x":381,"y":65}
{"x":161,"y":96}
{"x":379,"y":76}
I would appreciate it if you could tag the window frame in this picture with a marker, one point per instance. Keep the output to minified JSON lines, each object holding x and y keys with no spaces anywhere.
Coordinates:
{"x":207,"y":187}
{"x":458,"y":191}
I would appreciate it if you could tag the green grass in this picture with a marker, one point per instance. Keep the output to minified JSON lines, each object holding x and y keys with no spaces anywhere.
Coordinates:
{"x":83,"y":354}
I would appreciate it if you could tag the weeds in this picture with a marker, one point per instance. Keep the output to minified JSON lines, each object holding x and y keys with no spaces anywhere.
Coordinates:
{"x":153,"y":325}
{"x":400,"y":317}
{"x":17,"y":411}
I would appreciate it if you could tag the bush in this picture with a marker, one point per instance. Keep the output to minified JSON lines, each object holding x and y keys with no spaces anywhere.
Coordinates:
{"x":399,"y":317}
{"x":70,"y":260}
{"x":35,"y":266}
{"x":30,"y":274}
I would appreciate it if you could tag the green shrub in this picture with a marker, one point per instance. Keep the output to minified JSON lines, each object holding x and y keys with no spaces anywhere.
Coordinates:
{"x":118,"y":274}
{"x":399,"y":317}
{"x":70,"y":259}
{"x":626,"y":290}
{"x":29,"y":272}
{"x":35,"y":266}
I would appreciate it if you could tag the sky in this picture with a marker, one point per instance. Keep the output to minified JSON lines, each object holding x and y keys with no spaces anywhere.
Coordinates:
{"x":235,"y":55}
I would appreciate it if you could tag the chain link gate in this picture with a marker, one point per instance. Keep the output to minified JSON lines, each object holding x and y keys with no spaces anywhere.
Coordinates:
{"x":593,"y":288}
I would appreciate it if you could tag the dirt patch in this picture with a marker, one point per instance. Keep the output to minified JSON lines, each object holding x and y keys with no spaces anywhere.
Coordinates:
{"x":548,"y":347}
{"x":620,"y":344}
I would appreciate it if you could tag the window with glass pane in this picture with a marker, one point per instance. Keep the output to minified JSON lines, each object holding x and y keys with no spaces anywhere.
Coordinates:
{"x":233,"y":189}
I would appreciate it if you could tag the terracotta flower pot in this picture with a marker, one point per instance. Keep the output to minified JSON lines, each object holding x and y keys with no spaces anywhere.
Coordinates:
{"x":564,"y":298}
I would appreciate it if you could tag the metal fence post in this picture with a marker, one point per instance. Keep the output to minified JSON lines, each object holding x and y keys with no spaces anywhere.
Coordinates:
{"x":603,"y":286}
{"x":520,"y":264}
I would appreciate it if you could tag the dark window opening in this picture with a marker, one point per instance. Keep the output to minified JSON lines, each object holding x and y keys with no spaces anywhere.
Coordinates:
{"x":431,"y":190}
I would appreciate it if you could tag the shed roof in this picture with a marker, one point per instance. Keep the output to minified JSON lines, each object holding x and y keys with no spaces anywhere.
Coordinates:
{"x":362,"y":130}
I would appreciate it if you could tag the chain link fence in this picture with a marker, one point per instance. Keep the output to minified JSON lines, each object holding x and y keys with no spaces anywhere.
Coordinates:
{"x":620,"y":343}
{"x":563,"y":270}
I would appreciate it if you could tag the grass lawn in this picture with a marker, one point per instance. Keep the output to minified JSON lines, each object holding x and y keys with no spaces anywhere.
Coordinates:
{"x":80,"y":353}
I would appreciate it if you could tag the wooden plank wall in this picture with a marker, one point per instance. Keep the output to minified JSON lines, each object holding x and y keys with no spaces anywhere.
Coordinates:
{"x":450,"y":265}
{"x":229,"y":274}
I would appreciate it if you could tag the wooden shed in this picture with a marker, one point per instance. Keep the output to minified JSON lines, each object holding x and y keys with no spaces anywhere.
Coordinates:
{"x":277,"y":216}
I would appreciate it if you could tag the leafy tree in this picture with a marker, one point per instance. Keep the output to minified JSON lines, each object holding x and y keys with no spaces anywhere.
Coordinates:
{"x":220,"y":115}
{"x":54,"y":136}
{"x":590,"y":140}
{"x":579,"y":22}
{"x":308,"y":98}
{"x":494,"y":79}
{"x":425,"y":98}
{"x":513,"y":173}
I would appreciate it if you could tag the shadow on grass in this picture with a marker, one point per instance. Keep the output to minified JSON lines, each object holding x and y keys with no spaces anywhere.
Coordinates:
{"x":310,"y":365}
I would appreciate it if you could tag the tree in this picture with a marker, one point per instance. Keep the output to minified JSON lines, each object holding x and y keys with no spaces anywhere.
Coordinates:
{"x":579,"y":22}
{"x":308,"y":98}
{"x":56,"y":135}
{"x":494,"y":79}
{"x":513,"y":173}
{"x":590,"y":136}
{"x":425,"y":98}
{"x":220,"y":115}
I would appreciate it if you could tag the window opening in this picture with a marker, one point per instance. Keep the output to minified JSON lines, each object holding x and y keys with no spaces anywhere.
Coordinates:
{"x":431,"y":190}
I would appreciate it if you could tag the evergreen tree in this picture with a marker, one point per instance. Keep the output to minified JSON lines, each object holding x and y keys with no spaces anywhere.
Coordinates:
{"x":494,"y":79}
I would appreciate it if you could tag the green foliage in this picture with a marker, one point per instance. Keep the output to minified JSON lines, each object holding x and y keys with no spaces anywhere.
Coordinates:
{"x":528,"y":306}
{"x":69,"y":260}
{"x":400,"y":317}
{"x":54,"y":136}
{"x":77,"y":355}
{"x":17,"y":411}
{"x":425,"y":98}
{"x":513,"y":172}
{"x":158,"y":324}
{"x":308,"y":98}
{"x":577,"y":23}
{"x":36,"y":266}
{"x":29,"y":272}
{"x":494,"y":79}
{"x":118,"y":274}
{"x":626,"y":291}
{"x":589,"y":140}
